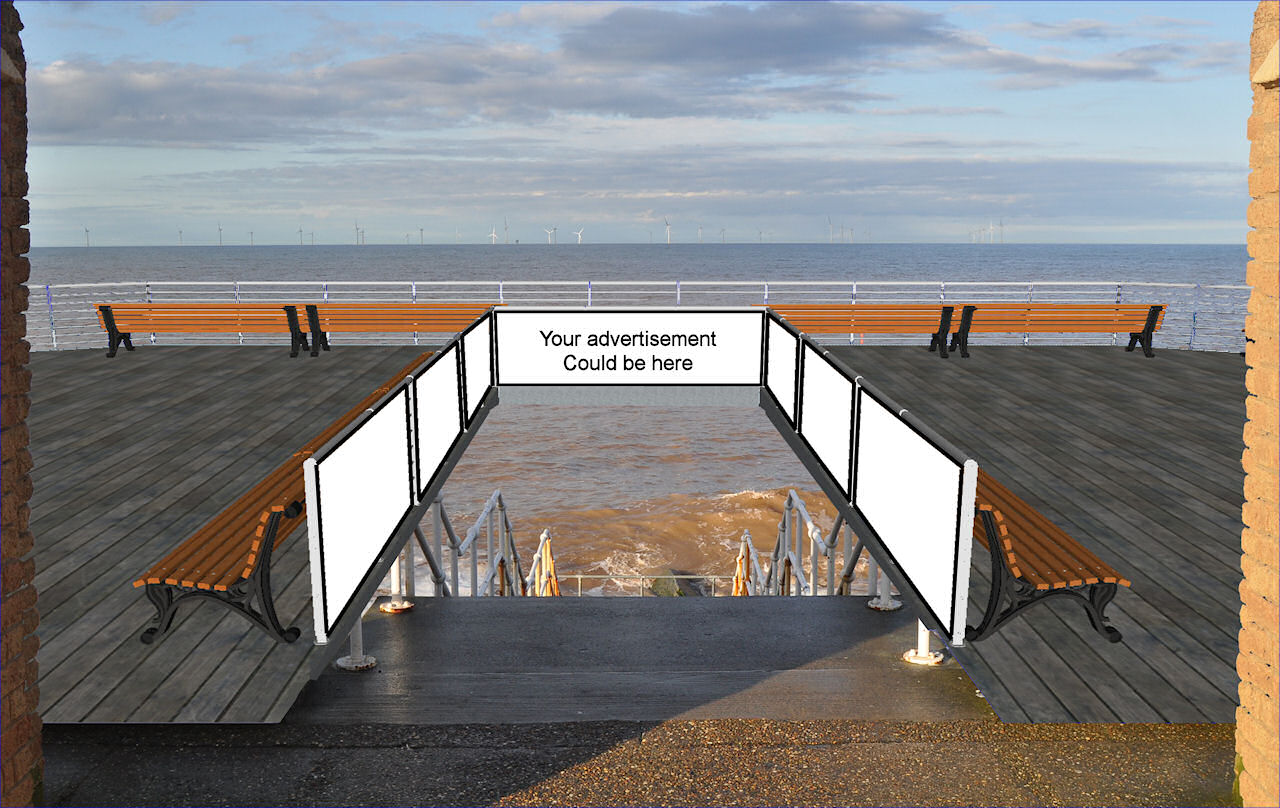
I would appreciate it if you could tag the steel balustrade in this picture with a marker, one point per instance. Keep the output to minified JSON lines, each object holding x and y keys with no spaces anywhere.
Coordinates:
{"x":1198,"y":317}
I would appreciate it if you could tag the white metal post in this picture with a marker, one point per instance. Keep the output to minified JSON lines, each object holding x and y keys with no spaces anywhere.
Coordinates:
{"x":921,"y":655}
{"x":357,"y":660}
{"x":883,"y":601}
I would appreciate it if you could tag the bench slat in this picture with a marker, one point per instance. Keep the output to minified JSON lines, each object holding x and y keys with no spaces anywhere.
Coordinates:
{"x":1037,"y":550}
{"x":224,"y":550}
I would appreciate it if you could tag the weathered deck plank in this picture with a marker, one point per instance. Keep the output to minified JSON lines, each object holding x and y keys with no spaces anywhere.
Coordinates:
{"x":140,"y":454}
{"x":1137,"y":458}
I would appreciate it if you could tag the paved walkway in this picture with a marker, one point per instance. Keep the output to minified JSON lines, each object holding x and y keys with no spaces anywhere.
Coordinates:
{"x":723,"y":762}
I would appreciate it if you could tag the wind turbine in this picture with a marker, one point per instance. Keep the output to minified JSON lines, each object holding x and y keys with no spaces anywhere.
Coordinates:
{"x":313,"y":238}
{"x":493,"y":235}
{"x":761,"y":232}
{"x":250,"y":238}
{"x":578,"y":233}
{"x":419,"y":236}
{"x":831,"y":231}
{"x":722,"y":235}
{"x":179,"y":236}
{"x":86,"y":237}
{"x":548,"y":232}
{"x":699,"y":234}
{"x":457,"y":235}
{"x":357,"y":232}
{"x":506,"y":236}
{"x":668,"y":223}
{"x":219,"y":234}
{"x":299,"y":236}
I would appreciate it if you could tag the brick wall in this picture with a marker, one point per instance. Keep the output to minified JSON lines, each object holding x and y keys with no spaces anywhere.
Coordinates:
{"x":21,"y":762}
{"x":1259,"y":657}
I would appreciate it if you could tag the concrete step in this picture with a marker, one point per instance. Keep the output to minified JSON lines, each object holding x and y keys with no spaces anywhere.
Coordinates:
{"x":520,"y":660}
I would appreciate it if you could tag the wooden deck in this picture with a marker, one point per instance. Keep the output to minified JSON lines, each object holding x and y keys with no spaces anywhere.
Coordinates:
{"x":132,"y":455}
{"x":1139,"y":459}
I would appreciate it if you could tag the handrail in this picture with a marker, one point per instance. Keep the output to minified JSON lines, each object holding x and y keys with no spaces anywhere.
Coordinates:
{"x":542,"y":580}
{"x":502,"y":563}
{"x":1199,"y":316}
{"x":580,"y":577}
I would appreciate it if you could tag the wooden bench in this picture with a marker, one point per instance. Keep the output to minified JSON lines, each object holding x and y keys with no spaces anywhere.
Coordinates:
{"x":377,"y":318}
{"x":871,"y":318}
{"x":1033,"y":559}
{"x":229,"y":559}
{"x":1139,"y":320}
{"x":122,"y":320}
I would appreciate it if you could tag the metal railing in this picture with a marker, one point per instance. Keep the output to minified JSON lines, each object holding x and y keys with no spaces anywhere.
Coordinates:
{"x":501,"y":574}
{"x":1198,"y":317}
{"x":798,"y":532}
{"x":643,"y":581}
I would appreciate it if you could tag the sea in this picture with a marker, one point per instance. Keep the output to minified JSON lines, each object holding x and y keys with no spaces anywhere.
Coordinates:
{"x":627,"y":491}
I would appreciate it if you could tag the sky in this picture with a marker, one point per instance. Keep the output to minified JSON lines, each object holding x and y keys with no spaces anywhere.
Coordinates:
{"x":159,"y":123}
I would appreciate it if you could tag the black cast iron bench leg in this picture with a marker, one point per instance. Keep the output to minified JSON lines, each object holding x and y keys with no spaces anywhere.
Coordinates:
{"x":297,"y":337}
{"x":939,"y":339}
{"x":114,"y":335}
{"x":1022,"y":595}
{"x":238,"y":598}
{"x":961,"y":338}
{"x":319,"y":340}
{"x":1144,"y":336}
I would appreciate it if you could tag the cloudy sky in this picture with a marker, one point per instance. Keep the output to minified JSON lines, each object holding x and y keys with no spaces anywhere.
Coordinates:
{"x":786,"y":122}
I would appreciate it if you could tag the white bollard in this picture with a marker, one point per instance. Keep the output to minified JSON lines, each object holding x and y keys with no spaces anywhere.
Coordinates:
{"x":921,"y":655}
{"x":399,"y":603}
{"x":883,"y":601}
{"x":356,"y":660}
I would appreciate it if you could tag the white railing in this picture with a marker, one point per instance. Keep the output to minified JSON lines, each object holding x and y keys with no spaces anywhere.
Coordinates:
{"x":798,"y":533}
{"x":542,"y":580}
{"x":501,"y":574}
{"x":1198,"y":317}
{"x":643,"y":581}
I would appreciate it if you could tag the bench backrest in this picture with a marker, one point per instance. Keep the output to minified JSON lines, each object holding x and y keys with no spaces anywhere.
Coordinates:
{"x":395,"y":317}
{"x":223,"y":558}
{"x":199,"y":318}
{"x":1034,"y":548}
{"x":1103,"y":318}
{"x":861,"y":317}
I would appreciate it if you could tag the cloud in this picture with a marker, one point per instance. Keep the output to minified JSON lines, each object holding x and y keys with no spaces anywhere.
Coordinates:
{"x":1066,"y":30}
{"x":741,"y":41}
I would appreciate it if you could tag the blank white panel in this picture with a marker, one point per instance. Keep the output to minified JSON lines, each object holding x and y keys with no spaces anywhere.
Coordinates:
{"x":908,"y":490}
{"x":826,"y":414}
{"x":658,"y":347}
{"x":476,"y":355}
{"x":363,"y":495}
{"x":439,"y":412}
{"x":782,"y":368}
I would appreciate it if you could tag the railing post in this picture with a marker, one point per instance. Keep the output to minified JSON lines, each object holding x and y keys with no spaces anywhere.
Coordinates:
{"x":152,"y":337}
{"x":1195,"y":311}
{"x":356,"y":660}
{"x":677,"y":293}
{"x":239,"y":334}
{"x":1031,"y":289}
{"x":883,"y":601}
{"x":53,"y":332}
{"x":921,"y":655}
{"x":588,"y":293}
{"x":413,"y":297}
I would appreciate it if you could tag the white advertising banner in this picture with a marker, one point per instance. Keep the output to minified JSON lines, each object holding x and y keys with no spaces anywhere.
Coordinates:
{"x":362,"y":492}
{"x":476,"y":359}
{"x":908,"y":490}
{"x":438,"y":415}
{"x":782,"y":368}
{"x":652,"y":347}
{"x":826,"y":415}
